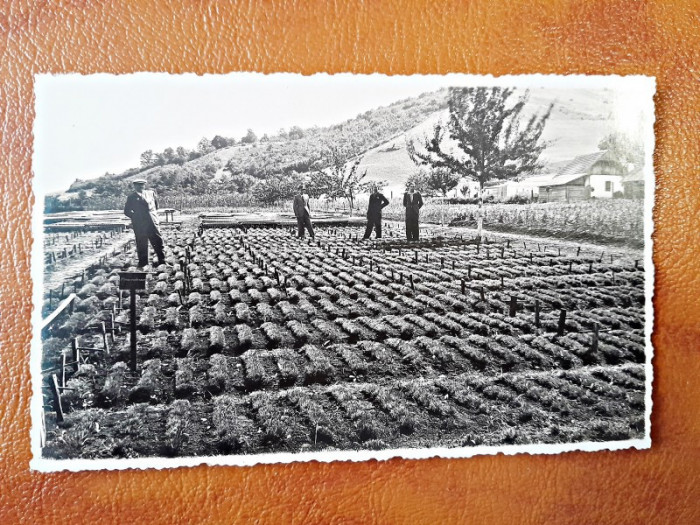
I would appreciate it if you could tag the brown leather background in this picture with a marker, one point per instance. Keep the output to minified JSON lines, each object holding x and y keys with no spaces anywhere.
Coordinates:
{"x":499,"y":37}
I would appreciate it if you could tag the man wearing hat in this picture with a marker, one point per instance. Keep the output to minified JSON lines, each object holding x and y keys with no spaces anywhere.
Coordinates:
{"x":141,"y":206}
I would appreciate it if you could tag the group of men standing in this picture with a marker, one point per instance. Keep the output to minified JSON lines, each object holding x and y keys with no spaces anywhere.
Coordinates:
{"x":412,"y":201}
{"x":142,"y":205}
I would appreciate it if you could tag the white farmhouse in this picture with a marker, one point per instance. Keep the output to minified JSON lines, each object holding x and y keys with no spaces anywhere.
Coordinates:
{"x":596,"y":175}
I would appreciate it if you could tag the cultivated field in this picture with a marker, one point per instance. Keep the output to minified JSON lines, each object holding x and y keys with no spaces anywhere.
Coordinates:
{"x":255,"y":341}
{"x":605,"y":221}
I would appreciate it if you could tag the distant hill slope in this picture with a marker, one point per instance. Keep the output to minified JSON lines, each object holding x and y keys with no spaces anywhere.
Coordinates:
{"x":579,"y":120}
{"x":278,"y":154}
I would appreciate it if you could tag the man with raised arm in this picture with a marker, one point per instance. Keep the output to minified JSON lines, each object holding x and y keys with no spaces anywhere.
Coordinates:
{"x":141,"y":207}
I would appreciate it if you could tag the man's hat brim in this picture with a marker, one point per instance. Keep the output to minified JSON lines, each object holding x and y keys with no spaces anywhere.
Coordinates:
{"x":138,"y":181}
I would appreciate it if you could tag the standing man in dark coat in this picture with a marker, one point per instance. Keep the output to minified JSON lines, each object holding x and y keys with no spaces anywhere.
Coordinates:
{"x":377,"y":202}
{"x":413,"y":202}
{"x":302,"y":212}
{"x":141,"y":206}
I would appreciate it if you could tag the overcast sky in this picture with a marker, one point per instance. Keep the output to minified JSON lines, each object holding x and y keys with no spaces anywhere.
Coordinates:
{"x":88,"y":125}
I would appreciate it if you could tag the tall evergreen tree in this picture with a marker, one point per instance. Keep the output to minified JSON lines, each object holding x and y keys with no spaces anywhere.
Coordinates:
{"x":488,"y":138}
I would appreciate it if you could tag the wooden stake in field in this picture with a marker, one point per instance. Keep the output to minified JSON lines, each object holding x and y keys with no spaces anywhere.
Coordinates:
{"x":132,"y":281}
{"x":562,"y":322}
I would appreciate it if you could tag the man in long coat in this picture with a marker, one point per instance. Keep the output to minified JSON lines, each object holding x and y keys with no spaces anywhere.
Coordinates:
{"x":141,"y":206}
{"x":302,"y":212}
{"x":377,"y":202}
{"x":413,"y":202}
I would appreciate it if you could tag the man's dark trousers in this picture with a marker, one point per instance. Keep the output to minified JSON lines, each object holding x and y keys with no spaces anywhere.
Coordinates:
{"x":144,"y":234}
{"x":373,"y":224}
{"x":304,"y":222}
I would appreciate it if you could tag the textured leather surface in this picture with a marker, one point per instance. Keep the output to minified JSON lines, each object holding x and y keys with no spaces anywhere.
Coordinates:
{"x":399,"y":37}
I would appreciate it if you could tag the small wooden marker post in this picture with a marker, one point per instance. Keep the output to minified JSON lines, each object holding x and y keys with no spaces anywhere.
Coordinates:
{"x":56,"y":393}
{"x":562,"y":322}
{"x":512,"y":306}
{"x":462,"y":283}
{"x":594,"y":340}
{"x":537,"y":313}
{"x":132,"y":281}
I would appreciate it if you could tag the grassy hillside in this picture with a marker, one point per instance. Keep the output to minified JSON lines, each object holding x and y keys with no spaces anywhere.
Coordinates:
{"x":579,"y":120}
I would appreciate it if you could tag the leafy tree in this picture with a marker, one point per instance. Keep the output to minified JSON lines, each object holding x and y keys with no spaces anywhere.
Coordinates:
{"x":250,"y":137}
{"x":487,"y":138}
{"x":295,"y":133}
{"x":181,"y":155}
{"x":219,"y":142}
{"x":275,"y":188}
{"x":434,"y":181}
{"x":341,"y":178}
{"x":626,"y":149}
{"x":147,"y":158}
{"x":205,"y":146}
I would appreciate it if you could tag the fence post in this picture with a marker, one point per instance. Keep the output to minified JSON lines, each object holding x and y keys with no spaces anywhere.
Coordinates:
{"x":76,"y":353}
{"x":562,"y":322}
{"x":537,"y":313}
{"x":513,"y":306}
{"x":594,"y":341}
{"x":58,"y":408}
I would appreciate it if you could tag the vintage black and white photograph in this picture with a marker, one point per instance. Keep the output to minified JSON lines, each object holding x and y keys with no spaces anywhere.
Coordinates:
{"x":253,"y":268}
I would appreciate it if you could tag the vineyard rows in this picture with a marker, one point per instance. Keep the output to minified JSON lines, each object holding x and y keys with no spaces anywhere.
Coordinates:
{"x":256,"y":341}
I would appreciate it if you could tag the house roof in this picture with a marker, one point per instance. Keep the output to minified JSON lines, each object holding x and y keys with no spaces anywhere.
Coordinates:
{"x":634,"y":176}
{"x":581,"y":165}
{"x":560,"y":180}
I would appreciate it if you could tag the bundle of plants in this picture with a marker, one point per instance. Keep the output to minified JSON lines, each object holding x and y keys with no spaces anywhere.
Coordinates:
{"x":150,"y":386}
{"x":244,"y":336}
{"x":477,"y":357}
{"x":445,"y":322}
{"x":221,"y":315}
{"x":352,"y":356}
{"x":231,"y":424}
{"x":115,"y":390}
{"x":223,"y":374}
{"x":188,"y":341}
{"x":299,"y":331}
{"x":242,"y":312}
{"x":559,"y":354}
{"x":255,"y":376}
{"x":147,"y":320}
{"x":177,"y":425}
{"x":185,"y":384}
{"x":406,"y":330}
{"x":421,"y":392}
{"x":287,"y":367}
{"x":172,"y":319}
{"x":392,"y":405}
{"x":319,"y":368}
{"x":436,"y":349}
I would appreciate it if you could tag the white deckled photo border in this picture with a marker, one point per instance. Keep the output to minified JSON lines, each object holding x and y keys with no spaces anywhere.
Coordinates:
{"x":645,"y":86}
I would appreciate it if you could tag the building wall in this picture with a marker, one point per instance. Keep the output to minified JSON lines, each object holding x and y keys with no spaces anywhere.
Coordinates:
{"x":565,"y":193}
{"x":597,"y":183}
